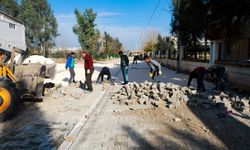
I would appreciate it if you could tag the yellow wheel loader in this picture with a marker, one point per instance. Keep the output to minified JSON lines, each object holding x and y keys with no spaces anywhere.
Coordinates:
{"x":18,"y":80}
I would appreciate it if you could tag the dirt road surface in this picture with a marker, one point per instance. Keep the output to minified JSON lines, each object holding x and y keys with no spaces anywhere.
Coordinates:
{"x":117,"y":126}
{"x":46,"y":125}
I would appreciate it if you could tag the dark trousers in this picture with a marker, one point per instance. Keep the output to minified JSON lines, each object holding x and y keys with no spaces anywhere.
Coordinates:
{"x":135,"y":61}
{"x":200,"y":82}
{"x":72,"y":75}
{"x":89,"y":79}
{"x":102,"y":74}
{"x":219,"y":78}
{"x":155,"y":72}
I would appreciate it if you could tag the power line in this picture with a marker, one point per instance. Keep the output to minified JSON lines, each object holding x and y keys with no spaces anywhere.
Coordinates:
{"x":151,"y":17}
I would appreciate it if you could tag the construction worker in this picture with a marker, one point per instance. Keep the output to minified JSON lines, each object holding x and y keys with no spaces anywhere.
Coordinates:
{"x":124,"y":67}
{"x":105,"y":71}
{"x":217,"y":73}
{"x":198,"y":73}
{"x":2,"y":56}
{"x":135,"y":59}
{"x":70,"y":64}
{"x":155,"y":67}
{"x":89,"y":70}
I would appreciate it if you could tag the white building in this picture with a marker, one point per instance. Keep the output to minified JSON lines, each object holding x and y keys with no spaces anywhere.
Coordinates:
{"x":12,"y":33}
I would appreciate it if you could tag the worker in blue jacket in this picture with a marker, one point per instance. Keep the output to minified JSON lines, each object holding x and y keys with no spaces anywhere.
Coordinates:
{"x":70,"y":64}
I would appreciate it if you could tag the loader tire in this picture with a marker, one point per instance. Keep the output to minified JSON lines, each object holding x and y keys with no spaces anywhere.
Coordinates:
{"x":7,"y":99}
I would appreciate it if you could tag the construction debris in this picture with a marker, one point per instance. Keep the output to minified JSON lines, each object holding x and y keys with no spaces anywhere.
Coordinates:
{"x":157,"y":95}
{"x":65,"y":92}
{"x":177,"y":119}
{"x":168,"y":95}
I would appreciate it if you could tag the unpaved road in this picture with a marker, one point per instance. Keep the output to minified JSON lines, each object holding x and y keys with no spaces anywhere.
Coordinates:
{"x":112,"y":126}
{"x":116,"y":126}
{"x":43,"y":125}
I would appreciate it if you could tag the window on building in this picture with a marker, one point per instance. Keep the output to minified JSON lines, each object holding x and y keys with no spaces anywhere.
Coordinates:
{"x":12,"y":26}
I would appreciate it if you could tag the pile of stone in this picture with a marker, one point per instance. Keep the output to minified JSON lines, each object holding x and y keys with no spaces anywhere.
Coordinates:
{"x":169,"y":95}
{"x":154,"y":94}
{"x":64,"y":92}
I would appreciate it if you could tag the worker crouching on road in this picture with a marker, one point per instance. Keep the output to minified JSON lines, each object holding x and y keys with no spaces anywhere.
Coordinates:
{"x":70,"y":64}
{"x":217,"y":74}
{"x":89,"y":69}
{"x":105,"y":72}
{"x":155,"y":67}
{"x":124,"y":67}
{"x":199,"y":73}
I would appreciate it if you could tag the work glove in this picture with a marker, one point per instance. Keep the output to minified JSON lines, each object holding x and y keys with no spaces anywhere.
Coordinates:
{"x":160,"y":73}
{"x":126,"y":68}
{"x":151,"y":74}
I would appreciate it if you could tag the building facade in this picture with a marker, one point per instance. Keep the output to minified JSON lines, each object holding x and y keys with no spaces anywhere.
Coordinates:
{"x":12,"y":33}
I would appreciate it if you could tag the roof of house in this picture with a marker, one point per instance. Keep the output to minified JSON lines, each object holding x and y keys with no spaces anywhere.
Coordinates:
{"x":13,"y":18}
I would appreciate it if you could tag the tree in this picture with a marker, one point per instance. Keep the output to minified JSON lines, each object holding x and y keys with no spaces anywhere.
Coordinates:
{"x":107,"y":43}
{"x":150,"y":46}
{"x":10,"y":7}
{"x":208,"y":19}
{"x":226,"y":19}
{"x":161,"y":44}
{"x":164,"y":45}
{"x":117,"y":45}
{"x":190,"y":21}
{"x":41,"y":25}
{"x":111,"y":45}
{"x":86,"y":30}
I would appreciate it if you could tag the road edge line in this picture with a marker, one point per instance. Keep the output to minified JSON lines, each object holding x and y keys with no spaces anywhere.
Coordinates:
{"x":78,"y":127}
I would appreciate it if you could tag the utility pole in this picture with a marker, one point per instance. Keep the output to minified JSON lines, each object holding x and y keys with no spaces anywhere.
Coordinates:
{"x":178,"y":59}
{"x":142,"y":40}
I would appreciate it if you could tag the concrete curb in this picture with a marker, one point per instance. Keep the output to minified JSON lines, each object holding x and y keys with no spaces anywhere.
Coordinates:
{"x":66,"y":145}
{"x":77,"y":128}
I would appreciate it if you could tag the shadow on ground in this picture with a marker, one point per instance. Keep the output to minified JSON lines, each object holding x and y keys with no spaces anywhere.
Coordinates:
{"x":185,"y":140}
{"x":27,"y":130}
{"x":233,"y":133}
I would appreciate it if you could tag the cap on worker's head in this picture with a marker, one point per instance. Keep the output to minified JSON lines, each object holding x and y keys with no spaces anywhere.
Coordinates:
{"x":73,"y":53}
{"x":146,"y":57}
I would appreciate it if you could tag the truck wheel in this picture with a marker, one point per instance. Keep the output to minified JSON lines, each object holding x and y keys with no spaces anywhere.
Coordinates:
{"x":7,"y":99}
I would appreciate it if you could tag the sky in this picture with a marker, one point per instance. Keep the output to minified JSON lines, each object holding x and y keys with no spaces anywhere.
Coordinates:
{"x":124,"y":19}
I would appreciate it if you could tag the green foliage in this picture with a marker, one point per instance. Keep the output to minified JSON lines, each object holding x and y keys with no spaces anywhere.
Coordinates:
{"x":150,"y":46}
{"x":190,"y":21}
{"x":41,"y":25}
{"x":10,"y":7}
{"x":213,"y":19}
{"x":86,"y":30}
{"x":226,"y":17}
{"x":111,"y":45}
{"x":58,"y":54}
{"x":165,"y":44}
